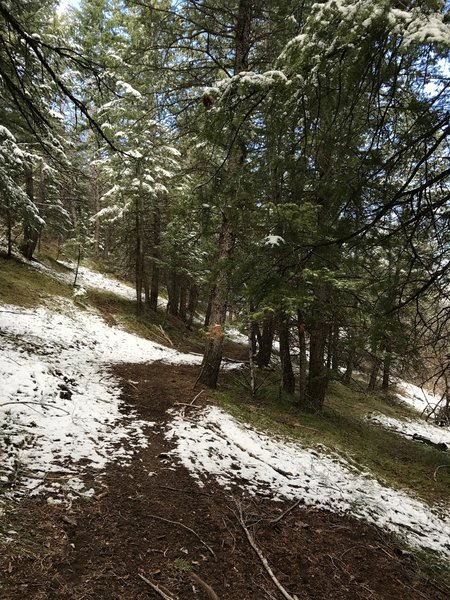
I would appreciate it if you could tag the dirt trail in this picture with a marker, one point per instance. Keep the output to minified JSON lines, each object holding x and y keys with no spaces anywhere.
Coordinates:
{"x":98,"y":548}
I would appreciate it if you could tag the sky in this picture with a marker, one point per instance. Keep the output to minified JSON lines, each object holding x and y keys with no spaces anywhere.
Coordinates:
{"x":65,"y":4}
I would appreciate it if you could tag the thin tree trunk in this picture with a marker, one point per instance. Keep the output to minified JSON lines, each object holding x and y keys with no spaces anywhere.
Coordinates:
{"x":387,"y":361}
{"x":192,"y":304}
{"x":30,"y":232}
{"x":335,"y":348}
{"x":183,"y":301}
{"x":317,"y":377}
{"x":78,"y":265}
{"x":301,"y":358}
{"x":213,"y":350}
{"x":265,"y":341}
{"x":140,"y":266}
{"x":350,"y":363}
{"x":374,"y":374}
{"x":251,"y":355}
{"x":209,"y":307}
{"x":173,"y":293}
{"x":287,"y":372}
{"x":9,"y":230}
{"x":156,"y":255}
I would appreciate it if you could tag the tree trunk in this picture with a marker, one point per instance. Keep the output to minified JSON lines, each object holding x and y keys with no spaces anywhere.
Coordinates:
{"x":374,"y":374}
{"x":183,"y":301}
{"x":301,"y":358}
{"x":156,"y":255}
{"x":209,"y":307}
{"x":30,"y":232}
{"x":173,"y":293}
{"x":213,"y":350}
{"x":387,"y":361}
{"x":317,"y":376}
{"x":265,"y":341}
{"x":192,"y":304}
{"x":350,"y":363}
{"x":335,"y":348}
{"x":139,"y":272}
{"x":287,"y":372}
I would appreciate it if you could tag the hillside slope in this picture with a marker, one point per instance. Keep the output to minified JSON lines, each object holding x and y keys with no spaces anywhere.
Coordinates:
{"x":83,"y":439}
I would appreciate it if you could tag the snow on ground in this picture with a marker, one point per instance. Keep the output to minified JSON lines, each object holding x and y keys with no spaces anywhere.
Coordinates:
{"x":89,"y":279}
{"x":410,"y":427}
{"x":58,"y":402}
{"x":216,"y":444}
{"x":417,"y":397}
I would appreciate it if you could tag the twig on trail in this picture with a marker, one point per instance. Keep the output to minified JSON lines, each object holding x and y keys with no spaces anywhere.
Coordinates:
{"x":205,"y":586}
{"x":195,"y":398}
{"x":286,"y":512}
{"x":43,"y":404}
{"x":437,"y":469}
{"x":156,"y":588}
{"x":261,"y":556}
{"x":158,"y":518}
{"x":183,"y":491}
{"x":186,"y":405}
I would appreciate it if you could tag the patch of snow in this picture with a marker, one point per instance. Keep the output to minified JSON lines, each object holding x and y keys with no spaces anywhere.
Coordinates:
{"x":417,"y":397}
{"x":216,"y":444}
{"x":273,"y":240}
{"x":59,"y":404}
{"x":236,"y":336}
{"x":89,"y":279}
{"x":410,"y":427}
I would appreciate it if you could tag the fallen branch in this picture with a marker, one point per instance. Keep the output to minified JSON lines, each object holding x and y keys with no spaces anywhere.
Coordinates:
{"x":43,"y":404}
{"x":158,"y":518}
{"x":156,"y":588}
{"x":262,"y":558}
{"x":205,"y":586}
{"x":438,"y":468}
{"x":195,"y":397}
{"x":286,"y":512}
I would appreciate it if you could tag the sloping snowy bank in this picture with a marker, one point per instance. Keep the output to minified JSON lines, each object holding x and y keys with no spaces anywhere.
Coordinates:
{"x":410,"y":427}
{"x":417,"y":398}
{"x":216,"y":444}
{"x":58,"y":402}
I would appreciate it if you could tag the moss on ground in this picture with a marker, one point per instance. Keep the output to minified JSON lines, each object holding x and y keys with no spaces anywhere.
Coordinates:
{"x":25,"y":286}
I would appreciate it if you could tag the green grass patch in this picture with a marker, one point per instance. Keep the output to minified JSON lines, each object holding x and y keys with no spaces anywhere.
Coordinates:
{"x":390,"y":457}
{"x":155,"y":326}
{"x":24,"y":286}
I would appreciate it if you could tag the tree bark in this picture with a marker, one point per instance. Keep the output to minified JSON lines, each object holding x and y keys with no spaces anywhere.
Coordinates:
{"x":265,"y":341}
{"x":213,"y":350}
{"x":156,"y":255}
{"x":287,"y":372}
{"x":301,"y":358}
{"x":183,"y":301}
{"x":173,"y":293}
{"x":30,"y":232}
{"x":192,"y":304}
{"x":317,"y":376}
{"x":374,"y":374}
{"x":140,"y":241}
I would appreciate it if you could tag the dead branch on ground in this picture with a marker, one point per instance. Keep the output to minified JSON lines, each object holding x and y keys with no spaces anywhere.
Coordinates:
{"x":261,"y":556}
{"x":158,"y":518}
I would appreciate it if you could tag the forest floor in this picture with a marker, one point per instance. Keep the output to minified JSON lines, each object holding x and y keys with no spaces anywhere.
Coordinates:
{"x":136,"y":526}
{"x":163,"y":522}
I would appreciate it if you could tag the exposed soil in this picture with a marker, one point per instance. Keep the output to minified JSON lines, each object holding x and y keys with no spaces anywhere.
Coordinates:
{"x":97,"y":548}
